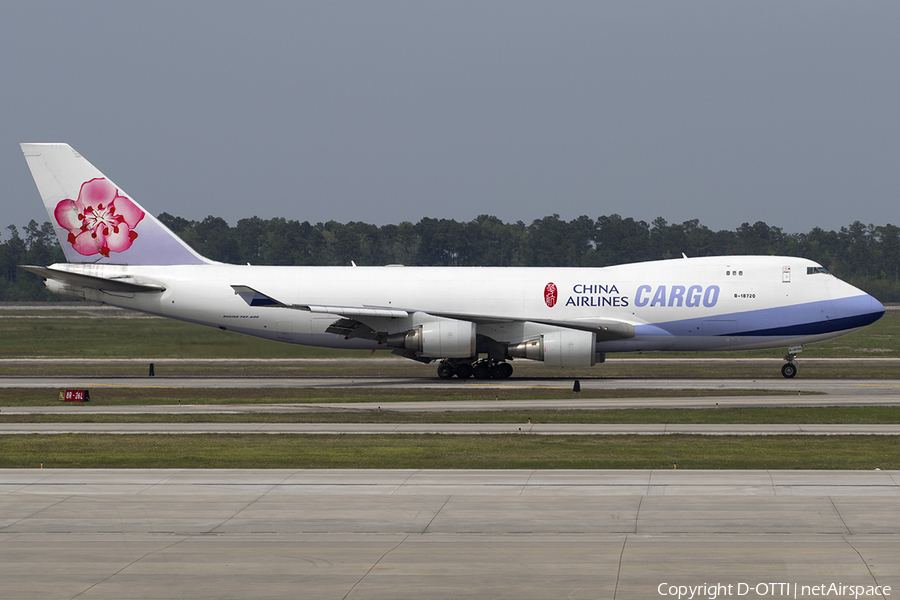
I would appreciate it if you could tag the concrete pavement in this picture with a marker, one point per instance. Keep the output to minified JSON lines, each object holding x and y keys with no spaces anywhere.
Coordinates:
{"x":153,"y":534}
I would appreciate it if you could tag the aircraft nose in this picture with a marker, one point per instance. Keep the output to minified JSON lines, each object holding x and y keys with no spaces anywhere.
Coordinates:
{"x":852,"y":306}
{"x":875,"y":307}
{"x":865,"y":310}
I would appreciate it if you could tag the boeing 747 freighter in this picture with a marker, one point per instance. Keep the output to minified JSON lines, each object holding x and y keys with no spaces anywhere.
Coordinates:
{"x":472,"y":321}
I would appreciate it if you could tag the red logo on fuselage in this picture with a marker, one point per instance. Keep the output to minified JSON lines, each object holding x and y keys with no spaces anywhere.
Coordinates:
{"x":550,"y":294}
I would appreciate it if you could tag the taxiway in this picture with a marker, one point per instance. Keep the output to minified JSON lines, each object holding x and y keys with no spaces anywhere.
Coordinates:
{"x":148,"y":534}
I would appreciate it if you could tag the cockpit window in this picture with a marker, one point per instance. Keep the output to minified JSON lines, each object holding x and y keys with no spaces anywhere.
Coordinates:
{"x":814,"y":270}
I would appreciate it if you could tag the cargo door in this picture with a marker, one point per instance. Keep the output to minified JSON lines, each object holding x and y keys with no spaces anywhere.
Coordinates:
{"x":285,"y":331}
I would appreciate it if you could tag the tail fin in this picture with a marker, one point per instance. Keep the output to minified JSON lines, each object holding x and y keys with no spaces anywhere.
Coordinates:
{"x":95,"y":220}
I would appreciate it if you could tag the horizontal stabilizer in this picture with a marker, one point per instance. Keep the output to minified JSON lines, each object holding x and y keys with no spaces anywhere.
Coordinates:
{"x":125,"y":284}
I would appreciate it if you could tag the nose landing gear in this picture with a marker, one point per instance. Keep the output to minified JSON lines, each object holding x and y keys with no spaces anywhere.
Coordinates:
{"x":789,"y":369}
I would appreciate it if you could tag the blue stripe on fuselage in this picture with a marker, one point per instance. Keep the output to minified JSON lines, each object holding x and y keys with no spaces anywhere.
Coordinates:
{"x":786,"y":321}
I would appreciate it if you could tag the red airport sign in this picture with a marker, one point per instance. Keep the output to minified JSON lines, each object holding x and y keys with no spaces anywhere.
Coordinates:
{"x":75,"y":396}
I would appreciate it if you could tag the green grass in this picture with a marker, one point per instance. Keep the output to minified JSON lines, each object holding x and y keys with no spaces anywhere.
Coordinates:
{"x":136,"y":336}
{"x":160,"y":394}
{"x":450,"y":452}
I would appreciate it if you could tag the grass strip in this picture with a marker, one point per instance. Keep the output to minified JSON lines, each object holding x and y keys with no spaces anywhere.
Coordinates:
{"x":449,"y":452}
{"x":157,"y":393}
{"x":850,"y":415}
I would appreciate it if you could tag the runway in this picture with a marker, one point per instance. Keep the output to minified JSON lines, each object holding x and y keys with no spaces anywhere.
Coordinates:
{"x":142,"y":535}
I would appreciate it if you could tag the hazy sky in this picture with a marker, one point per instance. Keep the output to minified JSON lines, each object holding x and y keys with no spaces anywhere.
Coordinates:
{"x":382,"y":112}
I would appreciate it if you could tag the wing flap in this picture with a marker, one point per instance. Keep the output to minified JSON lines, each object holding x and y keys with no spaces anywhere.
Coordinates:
{"x":351,"y":329}
{"x":354,"y":311}
{"x":607,"y":330}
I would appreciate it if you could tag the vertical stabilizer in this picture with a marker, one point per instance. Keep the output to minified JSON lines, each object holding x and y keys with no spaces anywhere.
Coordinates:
{"x":95,"y":220}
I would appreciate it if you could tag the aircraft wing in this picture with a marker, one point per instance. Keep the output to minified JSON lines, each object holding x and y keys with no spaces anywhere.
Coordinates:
{"x":125,"y":284}
{"x":606,"y":329}
{"x":256,"y":298}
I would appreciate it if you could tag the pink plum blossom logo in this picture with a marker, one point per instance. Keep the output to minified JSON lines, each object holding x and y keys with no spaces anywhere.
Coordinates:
{"x":100,"y":221}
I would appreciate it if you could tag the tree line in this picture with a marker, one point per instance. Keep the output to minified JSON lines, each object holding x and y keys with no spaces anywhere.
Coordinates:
{"x":867,"y":256}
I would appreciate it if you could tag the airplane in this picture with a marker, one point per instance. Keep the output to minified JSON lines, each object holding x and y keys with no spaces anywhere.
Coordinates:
{"x":471,"y":321}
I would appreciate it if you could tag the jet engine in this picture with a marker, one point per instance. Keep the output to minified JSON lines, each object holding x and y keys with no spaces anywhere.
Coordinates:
{"x":563,"y":348}
{"x":448,"y":338}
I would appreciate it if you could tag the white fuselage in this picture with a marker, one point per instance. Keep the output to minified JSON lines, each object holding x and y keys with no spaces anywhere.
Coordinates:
{"x":682,"y":304}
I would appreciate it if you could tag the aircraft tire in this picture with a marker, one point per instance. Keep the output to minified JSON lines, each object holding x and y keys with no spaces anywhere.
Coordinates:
{"x":501,"y":371}
{"x":481,"y":370}
{"x":789,"y":370}
{"x":445,"y":370}
{"x":464,"y":370}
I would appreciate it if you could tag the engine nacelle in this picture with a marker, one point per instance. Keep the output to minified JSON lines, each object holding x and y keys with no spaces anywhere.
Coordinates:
{"x":563,"y":348}
{"x":440,"y":339}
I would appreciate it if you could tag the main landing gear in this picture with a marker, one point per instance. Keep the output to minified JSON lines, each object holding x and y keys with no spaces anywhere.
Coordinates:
{"x":481,"y":369}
